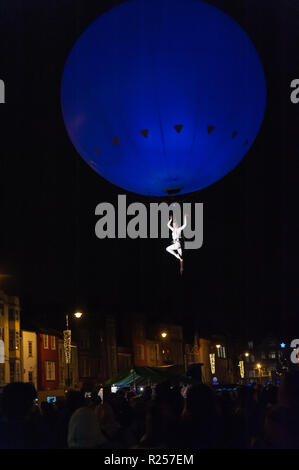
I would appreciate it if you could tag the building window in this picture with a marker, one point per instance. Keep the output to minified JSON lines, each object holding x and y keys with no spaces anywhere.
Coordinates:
{"x":272,"y":355}
{"x":53,"y":342}
{"x":30,"y":348}
{"x":250,"y":344}
{"x":30,"y":377}
{"x":152,"y":353}
{"x":140,"y":352}
{"x":50,"y":370}
{"x":46,"y":341}
{"x":221,"y":352}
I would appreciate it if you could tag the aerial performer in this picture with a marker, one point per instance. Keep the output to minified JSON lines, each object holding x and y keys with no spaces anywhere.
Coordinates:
{"x":176,"y":248}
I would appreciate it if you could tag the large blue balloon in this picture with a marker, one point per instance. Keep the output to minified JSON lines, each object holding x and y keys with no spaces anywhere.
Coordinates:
{"x":163,"y":96}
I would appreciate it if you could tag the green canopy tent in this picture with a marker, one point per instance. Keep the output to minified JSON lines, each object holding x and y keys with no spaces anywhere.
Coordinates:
{"x":148,"y":375}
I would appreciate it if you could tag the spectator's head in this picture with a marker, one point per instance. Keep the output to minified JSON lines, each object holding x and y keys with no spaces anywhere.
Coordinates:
{"x":176,"y":400}
{"x":47,"y":409}
{"x":131,"y":398}
{"x":130,"y":395}
{"x":107,"y":394}
{"x":74,"y":400}
{"x":120,"y":394}
{"x":162,"y":392}
{"x":200,"y":400}
{"x":246,"y":396}
{"x":17,"y":400}
{"x":84,"y":431}
{"x":147,"y":393}
{"x":94,"y":400}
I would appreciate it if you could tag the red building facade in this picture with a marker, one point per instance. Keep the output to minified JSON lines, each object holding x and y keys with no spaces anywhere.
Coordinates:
{"x":48,"y":361}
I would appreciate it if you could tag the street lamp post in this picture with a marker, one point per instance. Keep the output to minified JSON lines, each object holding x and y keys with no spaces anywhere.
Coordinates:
{"x":259,"y":367}
{"x":164,"y":335}
{"x":67,"y":342}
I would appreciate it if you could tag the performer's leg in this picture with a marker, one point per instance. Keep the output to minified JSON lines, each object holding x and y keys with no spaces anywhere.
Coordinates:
{"x":181,"y":259}
{"x":172,"y":250}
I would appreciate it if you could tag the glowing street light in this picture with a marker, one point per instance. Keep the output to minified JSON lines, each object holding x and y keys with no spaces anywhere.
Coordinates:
{"x":218,"y":346}
{"x":163,"y":334}
{"x":78,"y":314}
{"x":259,"y":366}
{"x":246,"y":354}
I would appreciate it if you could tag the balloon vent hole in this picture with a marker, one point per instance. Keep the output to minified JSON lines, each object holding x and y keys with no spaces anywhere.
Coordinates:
{"x":172,"y":191}
{"x":178,"y":127}
{"x":210,"y":129}
{"x":144,"y":132}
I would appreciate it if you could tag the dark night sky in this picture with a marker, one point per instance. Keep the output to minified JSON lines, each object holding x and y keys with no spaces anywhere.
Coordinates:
{"x":245,"y":278}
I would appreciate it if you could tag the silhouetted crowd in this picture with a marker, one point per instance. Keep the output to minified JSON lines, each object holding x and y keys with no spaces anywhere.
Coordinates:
{"x":248,"y":417}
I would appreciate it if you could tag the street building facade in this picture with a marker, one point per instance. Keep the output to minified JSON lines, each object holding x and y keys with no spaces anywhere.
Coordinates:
{"x":10,"y":347}
{"x":29,"y":357}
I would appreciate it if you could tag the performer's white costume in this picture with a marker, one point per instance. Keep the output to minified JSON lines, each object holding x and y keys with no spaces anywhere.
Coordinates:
{"x":176,"y":248}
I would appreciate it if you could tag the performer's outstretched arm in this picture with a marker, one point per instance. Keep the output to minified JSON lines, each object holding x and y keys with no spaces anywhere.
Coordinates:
{"x":185,"y":223}
{"x":169,"y":222}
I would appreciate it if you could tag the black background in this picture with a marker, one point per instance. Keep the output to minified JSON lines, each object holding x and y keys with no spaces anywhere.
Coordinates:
{"x":245,"y":278}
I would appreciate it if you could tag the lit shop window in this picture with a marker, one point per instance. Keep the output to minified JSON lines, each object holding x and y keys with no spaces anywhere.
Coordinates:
{"x":140,"y":351}
{"x":50,"y":370}
{"x":53,"y":342}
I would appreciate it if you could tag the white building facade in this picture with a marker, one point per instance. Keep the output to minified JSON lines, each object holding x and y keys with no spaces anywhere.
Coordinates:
{"x":29,"y":356}
{"x":10,"y":366}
